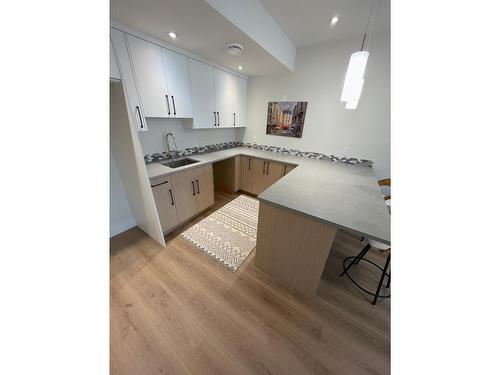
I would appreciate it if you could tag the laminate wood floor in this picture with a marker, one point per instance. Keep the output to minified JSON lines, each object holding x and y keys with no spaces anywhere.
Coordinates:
{"x":174,"y":310}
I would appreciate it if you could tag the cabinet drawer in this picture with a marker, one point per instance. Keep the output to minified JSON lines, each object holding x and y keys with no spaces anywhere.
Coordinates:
{"x":190,"y":174}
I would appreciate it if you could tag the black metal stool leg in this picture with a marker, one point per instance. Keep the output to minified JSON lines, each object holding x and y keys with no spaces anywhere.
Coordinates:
{"x":381,"y":279}
{"x":388,"y":281}
{"x":356,"y":260}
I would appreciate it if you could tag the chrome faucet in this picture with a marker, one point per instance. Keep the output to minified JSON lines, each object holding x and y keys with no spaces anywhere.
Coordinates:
{"x":167,"y":144}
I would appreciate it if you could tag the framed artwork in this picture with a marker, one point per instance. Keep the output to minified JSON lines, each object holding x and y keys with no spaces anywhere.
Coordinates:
{"x":286,"y":118}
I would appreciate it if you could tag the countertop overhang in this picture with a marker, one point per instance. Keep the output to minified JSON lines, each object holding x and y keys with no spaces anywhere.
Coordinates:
{"x":345,"y":195}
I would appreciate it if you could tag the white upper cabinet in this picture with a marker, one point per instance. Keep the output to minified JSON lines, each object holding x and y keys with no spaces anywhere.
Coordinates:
{"x":147,"y":63}
{"x":134,"y":105}
{"x":224,"y":93}
{"x":114,"y":72}
{"x":202,"y":94}
{"x":240,"y":102}
{"x":177,"y":73}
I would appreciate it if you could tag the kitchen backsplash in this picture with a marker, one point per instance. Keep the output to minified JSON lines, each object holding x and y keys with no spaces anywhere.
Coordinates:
{"x":153,"y":158}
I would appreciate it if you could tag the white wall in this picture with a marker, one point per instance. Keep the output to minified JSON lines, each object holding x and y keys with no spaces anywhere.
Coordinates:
{"x":153,"y":140}
{"x":120,"y":216}
{"x":329,"y":127}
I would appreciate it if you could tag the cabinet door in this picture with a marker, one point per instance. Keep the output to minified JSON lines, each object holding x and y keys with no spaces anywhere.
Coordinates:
{"x":240,"y":101}
{"x":204,"y":191}
{"x":114,"y":72}
{"x":185,"y":200}
{"x":259,"y":168}
{"x":224,"y":92}
{"x":165,"y":205}
{"x":149,"y":72}
{"x":134,"y":105}
{"x":274,"y":171}
{"x":245,"y":182}
{"x":202,"y":94}
{"x":177,"y":73}
{"x":289,"y":168}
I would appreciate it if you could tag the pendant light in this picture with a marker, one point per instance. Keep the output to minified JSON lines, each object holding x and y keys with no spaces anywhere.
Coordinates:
{"x":354,"y":81}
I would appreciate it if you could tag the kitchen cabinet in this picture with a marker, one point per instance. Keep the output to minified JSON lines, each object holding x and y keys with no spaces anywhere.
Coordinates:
{"x":165,"y":203}
{"x":114,"y":72}
{"x":204,"y":191}
{"x":193,"y":191}
{"x":240,"y":102}
{"x":245,"y":175}
{"x":147,"y":64}
{"x":134,"y":104}
{"x":162,"y":79}
{"x":289,"y":168}
{"x":178,"y":82}
{"x":274,"y":171}
{"x":258,"y":176}
{"x":185,"y":197}
{"x":224,"y":93}
{"x":202,"y":95}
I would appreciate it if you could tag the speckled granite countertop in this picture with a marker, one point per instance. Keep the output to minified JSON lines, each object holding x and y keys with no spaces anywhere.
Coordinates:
{"x":345,"y":195}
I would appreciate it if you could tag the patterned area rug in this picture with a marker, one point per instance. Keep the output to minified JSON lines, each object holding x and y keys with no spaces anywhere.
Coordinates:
{"x":229,"y":234}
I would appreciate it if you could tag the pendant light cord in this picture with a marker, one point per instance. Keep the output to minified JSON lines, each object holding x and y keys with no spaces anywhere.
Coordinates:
{"x":368,"y":24}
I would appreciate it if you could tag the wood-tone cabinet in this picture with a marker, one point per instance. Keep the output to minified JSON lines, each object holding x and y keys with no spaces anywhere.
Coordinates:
{"x":162,"y":79}
{"x":274,"y":172}
{"x":245,"y":175}
{"x":165,"y":203}
{"x":204,"y":191}
{"x":193,"y":191}
{"x":289,"y":168}
{"x":258,"y":176}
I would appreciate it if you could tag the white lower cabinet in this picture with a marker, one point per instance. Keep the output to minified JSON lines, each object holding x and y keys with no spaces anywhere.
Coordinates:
{"x":181,"y":196}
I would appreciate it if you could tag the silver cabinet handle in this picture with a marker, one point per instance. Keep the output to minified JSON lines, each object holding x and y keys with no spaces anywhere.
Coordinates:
{"x":194,"y":192}
{"x":140,"y":117}
{"x":168,"y":104}
{"x":173,"y":102}
{"x":171,"y":196}
{"x":198,"y":183}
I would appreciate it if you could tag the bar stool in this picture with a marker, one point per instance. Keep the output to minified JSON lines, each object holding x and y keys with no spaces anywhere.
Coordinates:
{"x":360,"y":257}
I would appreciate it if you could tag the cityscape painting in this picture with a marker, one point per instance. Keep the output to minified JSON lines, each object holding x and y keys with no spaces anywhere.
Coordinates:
{"x":286,"y":118}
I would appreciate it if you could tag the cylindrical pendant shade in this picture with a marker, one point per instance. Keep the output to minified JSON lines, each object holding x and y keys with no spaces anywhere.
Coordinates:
{"x":354,"y":80}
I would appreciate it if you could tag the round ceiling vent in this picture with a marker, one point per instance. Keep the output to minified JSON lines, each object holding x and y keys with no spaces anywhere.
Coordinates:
{"x":234,"y":49}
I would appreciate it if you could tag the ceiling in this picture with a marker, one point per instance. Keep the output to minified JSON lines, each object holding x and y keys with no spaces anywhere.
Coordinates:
{"x":307,"y":22}
{"x":200,"y":30}
{"x":205,"y":32}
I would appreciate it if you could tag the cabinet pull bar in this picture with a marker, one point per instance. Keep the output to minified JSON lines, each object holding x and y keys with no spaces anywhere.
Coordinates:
{"x":194,"y":192}
{"x":268,"y":167}
{"x":171,"y":196}
{"x":215,"y":119}
{"x":161,"y":183}
{"x":198,"y":184}
{"x":140,"y":117}
{"x":249,"y":159}
{"x":168,"y":104}
{"x":264,"y":168}
{"x":173,"y":102}
{"x":234,"y":119}
{"x":218,"y":119}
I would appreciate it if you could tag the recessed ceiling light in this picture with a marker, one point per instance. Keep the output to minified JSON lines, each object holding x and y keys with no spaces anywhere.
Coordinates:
{"x":334,"y":20}
{"x":172,"y":35}
{"x":240,"y":67}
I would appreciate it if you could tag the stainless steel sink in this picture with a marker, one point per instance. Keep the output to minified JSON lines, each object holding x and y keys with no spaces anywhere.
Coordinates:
{"x":179,"y":163}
